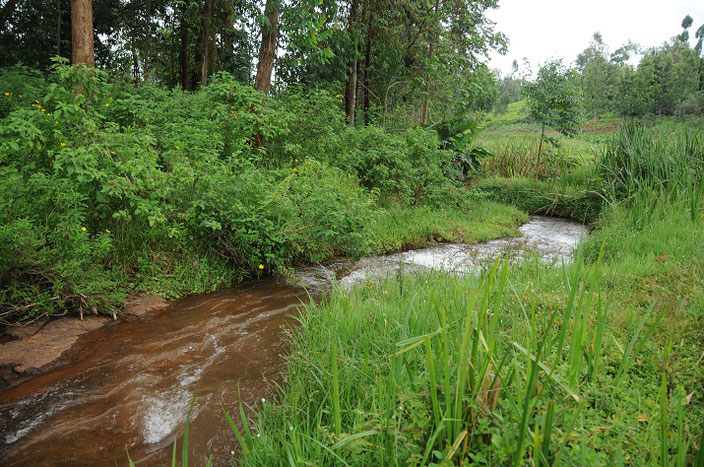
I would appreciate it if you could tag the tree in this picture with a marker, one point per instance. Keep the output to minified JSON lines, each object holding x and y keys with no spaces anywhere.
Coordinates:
{"x":686,"y":24}
{"x":598,"y":76}
{"x":554,"y":101}
{"x":82,"y":32}
{"x":267,"y":48}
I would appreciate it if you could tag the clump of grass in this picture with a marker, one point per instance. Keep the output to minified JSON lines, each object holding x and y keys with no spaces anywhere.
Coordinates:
{"x":553,"y":198}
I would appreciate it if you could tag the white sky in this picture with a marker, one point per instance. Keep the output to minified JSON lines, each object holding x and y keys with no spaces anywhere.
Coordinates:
{"x":545,"y":29}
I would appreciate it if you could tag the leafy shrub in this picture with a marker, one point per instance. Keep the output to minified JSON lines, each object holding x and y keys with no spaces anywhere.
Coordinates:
{"x":400,"y":166}
{"x":115,"y":189}
{"x":691,"y":105}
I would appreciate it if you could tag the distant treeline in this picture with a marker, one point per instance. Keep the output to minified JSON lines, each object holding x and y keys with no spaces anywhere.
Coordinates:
{"x":668,"y":80}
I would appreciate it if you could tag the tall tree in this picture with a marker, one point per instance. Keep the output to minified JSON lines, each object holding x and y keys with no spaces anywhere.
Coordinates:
{"x":82,"y":32}
{"x":267,"y":48}
{"x":208,"y":44}
{"x":183,"y":32}
{"x":351,"y":85}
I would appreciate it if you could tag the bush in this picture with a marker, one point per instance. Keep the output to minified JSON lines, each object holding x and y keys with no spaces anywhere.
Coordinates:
{"x":692,"y":105}
{"x":116,"y":190}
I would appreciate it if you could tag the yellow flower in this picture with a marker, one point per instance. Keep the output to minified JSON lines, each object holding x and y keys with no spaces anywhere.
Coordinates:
{"x":7,"y":93}
{"x":63,"y":144}
{"x":112,"y":152}
{"x":36,"y":101}
{"x":261,"y":266}
{"x":296,"y":160}
{"x":83,"y":229}
{"x":107,"y":231}
{"x":56,"y":123}
{"x":176,"y":147}
{"x":107,"y":105}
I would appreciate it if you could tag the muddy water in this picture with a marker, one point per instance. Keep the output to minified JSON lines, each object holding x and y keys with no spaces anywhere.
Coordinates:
{"x":130,"y":384}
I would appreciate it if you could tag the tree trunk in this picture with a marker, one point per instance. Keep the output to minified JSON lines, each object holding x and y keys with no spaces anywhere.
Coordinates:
{"x":426,"y":100}
{"x":367,"y":63}
{"x":351,"y":86}
{"x":133,"y":48}
{"x":58,"y":27}
{"x":227,"y":37}
{"x":267,"y":49}
{"x":147,"y":40}
{"x":595,"y":117}
{"x":540,"y":151}
{"x":431,"y":52}
{"x":206,"y":43}
{"x":82,"y":32}
{"x":185,"y":85}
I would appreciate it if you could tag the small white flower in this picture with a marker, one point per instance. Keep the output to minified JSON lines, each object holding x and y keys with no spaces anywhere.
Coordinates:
{"x":290,"y":428}
{"x":263,"y":400}
{"x":232,"y":453}
{"x":258,"y":435}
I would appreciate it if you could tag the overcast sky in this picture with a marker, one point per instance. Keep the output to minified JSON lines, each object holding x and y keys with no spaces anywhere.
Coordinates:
{"x":545,"y":29}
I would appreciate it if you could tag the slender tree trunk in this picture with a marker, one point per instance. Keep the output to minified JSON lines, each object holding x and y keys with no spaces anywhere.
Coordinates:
{"x":82,"y":32}
{"x":183,"y":27}
{"x":206,"y":43}
{"x":540,"y":150}
{"x":58,"y":27}
{"x":431,"y":52}
{"x":214,"y":57}
{"x":267,"y":49}
{"x":367,"y":63}
{"x":147,"y":39}
{"x":426,"y":100}
{"x":133,"y":47}
{"x":351,"y":87}
{"x":228,"y":38}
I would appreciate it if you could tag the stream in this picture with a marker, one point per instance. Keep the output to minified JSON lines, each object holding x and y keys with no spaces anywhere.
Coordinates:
{"x":129,"y":385}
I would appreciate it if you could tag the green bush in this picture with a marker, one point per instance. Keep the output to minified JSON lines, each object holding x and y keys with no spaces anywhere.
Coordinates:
{"x":116,"y":189}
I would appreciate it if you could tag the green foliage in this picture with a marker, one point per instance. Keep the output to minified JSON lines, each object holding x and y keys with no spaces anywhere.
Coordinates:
{"x":642,"y":160}
{"x":541,"y":371}
{"x":554,"y":99}
{"x":116,"y":190}
{"x":552,"y":198}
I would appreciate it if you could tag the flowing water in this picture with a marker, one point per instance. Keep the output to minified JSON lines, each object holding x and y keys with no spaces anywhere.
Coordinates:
{"x":129,"y":385}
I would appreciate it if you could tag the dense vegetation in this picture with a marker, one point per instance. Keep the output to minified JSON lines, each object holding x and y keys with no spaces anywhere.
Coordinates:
{"x":122,"y":190}
{"x":173,"y":167}
{"x":595,"y":362}
{"x":667,"y":80}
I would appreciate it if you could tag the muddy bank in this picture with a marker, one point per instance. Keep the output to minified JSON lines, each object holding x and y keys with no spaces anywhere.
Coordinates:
{"x":36,"y":347}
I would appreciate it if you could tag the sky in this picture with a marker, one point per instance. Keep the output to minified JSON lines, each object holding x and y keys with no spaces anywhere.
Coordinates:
{"x":544,"y":29}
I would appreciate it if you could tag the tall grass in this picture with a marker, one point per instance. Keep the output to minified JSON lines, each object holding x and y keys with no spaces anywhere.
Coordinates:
{"x":523,"y":364}
{"x":640,"y":160}
{"x":443,"y":369}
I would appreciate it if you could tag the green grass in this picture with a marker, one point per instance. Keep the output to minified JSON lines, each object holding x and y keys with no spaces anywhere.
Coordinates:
{"x":554,"y":365}
{"x":401,"y":228}
{"x":571,"y":197}
{"x":594,"y":363}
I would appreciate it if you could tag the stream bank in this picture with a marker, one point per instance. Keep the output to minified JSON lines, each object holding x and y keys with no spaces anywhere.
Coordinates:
{"x":129,"y":384}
